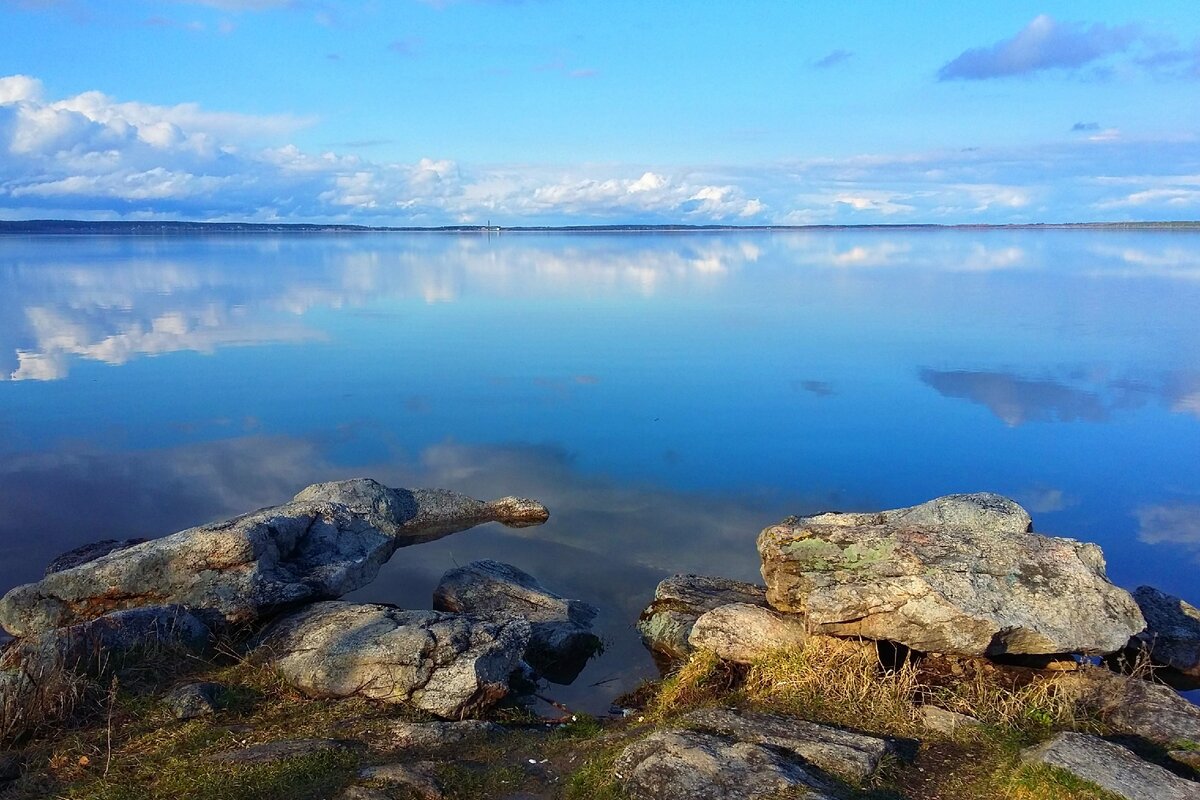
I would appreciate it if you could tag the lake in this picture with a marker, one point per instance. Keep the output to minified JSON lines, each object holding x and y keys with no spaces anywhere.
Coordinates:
{"x":666,"y":395}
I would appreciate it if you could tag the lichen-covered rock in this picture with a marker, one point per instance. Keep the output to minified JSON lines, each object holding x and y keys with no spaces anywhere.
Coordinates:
{"x":1172,"y":635}
{"x":89,"y":552}
{"x":1111,"y":767}
{"x":850,"y":755}
{"x":562,"y":640}
{"x":192,"y":700}
{"x":961,"y":574}
{"x":99,"y":645}
{"x":331,"y":539}
{"x":679,"y":601}
{"x":744,"y":633}
{"x":1134,"y":706}
{"x":449,"y":665}
{"x":701,"y":766}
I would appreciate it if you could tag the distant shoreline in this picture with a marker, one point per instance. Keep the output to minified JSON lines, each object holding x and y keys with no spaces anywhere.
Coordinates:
{"x":176,"y":228}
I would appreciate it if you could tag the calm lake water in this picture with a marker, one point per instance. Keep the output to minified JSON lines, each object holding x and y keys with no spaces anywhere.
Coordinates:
{"x":666,"y":395}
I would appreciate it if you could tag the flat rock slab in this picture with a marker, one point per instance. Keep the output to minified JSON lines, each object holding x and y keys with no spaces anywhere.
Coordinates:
{"x":452,"y":666}
{"x":679,"y":601}
{"x":272,"y":752}
{"x":419,"y":778}
{"x":1111,"y":767}
{"x":850,"y":755}
{"x":961,"y":574}
{"x":701,"y":766}
{"x":432,"y":735}
{"x":329,"y":540}
{"x":1172,"y":635}
{"x":561,"y":640}
{"x":943,"y":721}
{"x":744,"y":633}
{"x":1135,"y":706}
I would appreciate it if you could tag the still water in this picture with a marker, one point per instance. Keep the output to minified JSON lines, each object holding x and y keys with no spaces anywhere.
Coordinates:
{"x":665,"y":395}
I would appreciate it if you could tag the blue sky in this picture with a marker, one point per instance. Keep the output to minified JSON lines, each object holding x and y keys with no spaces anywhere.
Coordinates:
{"x":434,"y":112}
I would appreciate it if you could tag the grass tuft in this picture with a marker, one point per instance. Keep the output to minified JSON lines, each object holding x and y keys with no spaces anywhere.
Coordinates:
{"x":702,"y":679}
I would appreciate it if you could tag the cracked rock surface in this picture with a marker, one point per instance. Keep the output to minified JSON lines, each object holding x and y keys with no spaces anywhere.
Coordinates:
{"x":330,"y":539}
{"x":450,"y":665}
{"x":961,"y":574}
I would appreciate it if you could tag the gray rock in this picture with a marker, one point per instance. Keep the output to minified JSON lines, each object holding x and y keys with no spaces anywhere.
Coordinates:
{"x":854,"y":756}
{"x":946,"y":722}
{"x":419,"y":778}
{"x":1134,"y":706}
{"x":362,"y":793}
{"x":679,"y":601}
{"x":561,"y":641}
{"x":700,"y":766}
{"x":1172,"y":635}
{"x":744,"y":633}
{"x":89,"y":552}
{"x":1111,"y":767}
{"x":272,"y":752}
{"x":961,"y":574}
{"x":108,"y":642}
{"x":449,"y":665}
{"x":192,"y":700}
{"x":433,"y":735}
{"x":331,"y":539}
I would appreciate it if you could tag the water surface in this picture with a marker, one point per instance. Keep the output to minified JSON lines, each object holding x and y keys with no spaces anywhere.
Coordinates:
{"x":666,"y":395}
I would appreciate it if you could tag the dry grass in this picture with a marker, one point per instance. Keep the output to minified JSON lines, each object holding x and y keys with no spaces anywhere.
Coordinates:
{"x":837,"y":681}
{"x":36,"y":699}
{"x":1035,"y":707}
{"x":702,"y":679}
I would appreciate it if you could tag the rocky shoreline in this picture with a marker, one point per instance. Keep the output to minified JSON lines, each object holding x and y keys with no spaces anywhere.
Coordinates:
{"x":886,"y":655}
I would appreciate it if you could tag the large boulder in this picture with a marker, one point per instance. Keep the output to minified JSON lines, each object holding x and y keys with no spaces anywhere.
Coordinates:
{"x":329,"y":540}
{"x":90,"y":552}
{"x":562,"y":640}
{"x":961,"y":574}
{"x":702,"y":766}
{"x":679,"y":601}
{"x":1111,"y":767}
{"x":450,"y":665}
{"x":1172,"y":635}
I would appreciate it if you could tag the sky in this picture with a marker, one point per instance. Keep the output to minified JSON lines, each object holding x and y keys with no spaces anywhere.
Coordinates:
{"x":560,"y":112}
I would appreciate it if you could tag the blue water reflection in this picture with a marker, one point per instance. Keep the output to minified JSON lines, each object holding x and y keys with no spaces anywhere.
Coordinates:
{"x":666,"y":395}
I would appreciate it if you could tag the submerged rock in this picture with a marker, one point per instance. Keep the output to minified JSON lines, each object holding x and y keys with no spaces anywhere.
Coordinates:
{"x":1172,"y":635}
{"x":961,"y":574}
{"x":561,"y":641}
{"x":679,"y":601}
{"x":701,"y":766}
{"x":744,"y":633}
{"x":1111,"y":767}
{"x":329,"y":540}
{"x":449,"y":665}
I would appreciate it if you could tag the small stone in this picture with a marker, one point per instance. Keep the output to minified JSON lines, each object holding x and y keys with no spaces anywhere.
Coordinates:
{"x":1111,"y":767}
{"x":946,"y":722}
{"x":420,"y":778}
{"x":271,"y":752}
{"x":744,"y":633}
{"x":192,"y":700}
{"x":362,"y":793}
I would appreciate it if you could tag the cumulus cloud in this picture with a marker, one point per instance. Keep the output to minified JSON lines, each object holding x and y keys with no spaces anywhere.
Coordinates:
{"x":1043,"y":44}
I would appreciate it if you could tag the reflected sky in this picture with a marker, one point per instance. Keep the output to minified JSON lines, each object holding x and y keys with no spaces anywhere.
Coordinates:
{"x":666,"y":395}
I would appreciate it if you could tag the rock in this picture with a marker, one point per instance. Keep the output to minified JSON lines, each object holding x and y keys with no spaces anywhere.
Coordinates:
{"x":561,"y":641}
{"x":89,"y":552}
{"x":419,"y":778}
{"x":1111,"y":767}
{"x":331,"y":539}
{"x":946,"y":722}
{"x":1189,"y":758}
{"x":362,"y":793}
{"x":679,"y":601}
{"x":854,"y":756}
{"x":449,"y":665}
{"x":700,"y":766}
{"x":1172,"y":635}
{"x":1134,"y":706}
{"x":961,"y":574}
{"x":434,"y":735}
{"x":105,"y":643}
{"x":745,"y":633}
{"x":192,"y":700}
{"x":10,"y":767}
{"x":272,"y":752}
